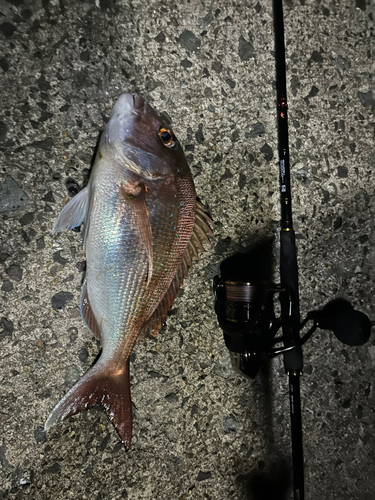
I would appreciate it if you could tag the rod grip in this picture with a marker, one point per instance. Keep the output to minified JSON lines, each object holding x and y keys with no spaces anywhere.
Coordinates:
{"x":293,"y":360}
{"x":289,"y":267}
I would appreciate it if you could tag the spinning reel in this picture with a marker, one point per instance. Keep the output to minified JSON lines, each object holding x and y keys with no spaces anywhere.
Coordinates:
{"x":246,"y":314}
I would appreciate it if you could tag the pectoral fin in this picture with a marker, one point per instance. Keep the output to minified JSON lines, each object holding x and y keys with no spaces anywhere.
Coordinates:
{"x":142,"y":220}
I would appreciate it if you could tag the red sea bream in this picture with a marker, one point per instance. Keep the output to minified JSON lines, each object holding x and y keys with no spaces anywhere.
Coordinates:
{"x":143,"y":227}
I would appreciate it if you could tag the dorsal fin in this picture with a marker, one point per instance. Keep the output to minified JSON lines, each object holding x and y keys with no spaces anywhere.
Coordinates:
{"x":202,"y":231}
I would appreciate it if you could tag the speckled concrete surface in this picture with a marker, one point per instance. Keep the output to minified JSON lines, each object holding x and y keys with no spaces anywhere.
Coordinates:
{"x":200,"y":430}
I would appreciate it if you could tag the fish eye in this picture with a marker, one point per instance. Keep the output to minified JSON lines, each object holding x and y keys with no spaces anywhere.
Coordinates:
{"x":167,"y":138}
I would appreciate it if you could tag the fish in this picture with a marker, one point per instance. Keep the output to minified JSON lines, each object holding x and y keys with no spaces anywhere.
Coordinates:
{"x":143,"y":227}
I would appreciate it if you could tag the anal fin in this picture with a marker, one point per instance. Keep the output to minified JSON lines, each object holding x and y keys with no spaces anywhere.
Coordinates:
{"x":87,"y":313}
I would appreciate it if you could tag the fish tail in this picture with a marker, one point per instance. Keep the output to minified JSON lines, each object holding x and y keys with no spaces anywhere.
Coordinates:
{"x":99,"y":386}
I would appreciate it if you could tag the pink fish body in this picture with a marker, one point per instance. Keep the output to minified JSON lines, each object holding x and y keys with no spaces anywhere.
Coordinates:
{"x":142,"y":230}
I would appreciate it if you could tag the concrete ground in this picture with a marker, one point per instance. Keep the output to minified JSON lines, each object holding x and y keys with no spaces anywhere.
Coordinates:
{"x":200,"y":430}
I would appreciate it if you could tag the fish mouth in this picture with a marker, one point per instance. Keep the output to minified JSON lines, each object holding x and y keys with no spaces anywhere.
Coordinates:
{"x":123,"y":107}
{"x":121,"y":123}
{"x":127,"y":105}
{"x":139,"y":105}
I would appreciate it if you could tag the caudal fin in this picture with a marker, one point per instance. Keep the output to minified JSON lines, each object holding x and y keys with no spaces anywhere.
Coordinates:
{"x":99,"y":386}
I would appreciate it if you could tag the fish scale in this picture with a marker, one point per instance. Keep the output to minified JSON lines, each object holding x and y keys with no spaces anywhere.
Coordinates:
{"x":142,"y":230}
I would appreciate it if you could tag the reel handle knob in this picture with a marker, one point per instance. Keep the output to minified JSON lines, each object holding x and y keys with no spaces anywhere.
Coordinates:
{"x":350,"y":326}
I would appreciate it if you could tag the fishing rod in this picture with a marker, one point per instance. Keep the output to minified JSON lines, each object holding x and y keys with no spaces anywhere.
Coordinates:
{"x":245,"y":295}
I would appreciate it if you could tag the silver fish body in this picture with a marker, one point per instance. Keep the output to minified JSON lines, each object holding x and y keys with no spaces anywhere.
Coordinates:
{"x":142,"y":230}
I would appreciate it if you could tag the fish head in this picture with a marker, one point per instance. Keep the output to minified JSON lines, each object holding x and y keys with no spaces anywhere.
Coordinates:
{"x":141,"y":138}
